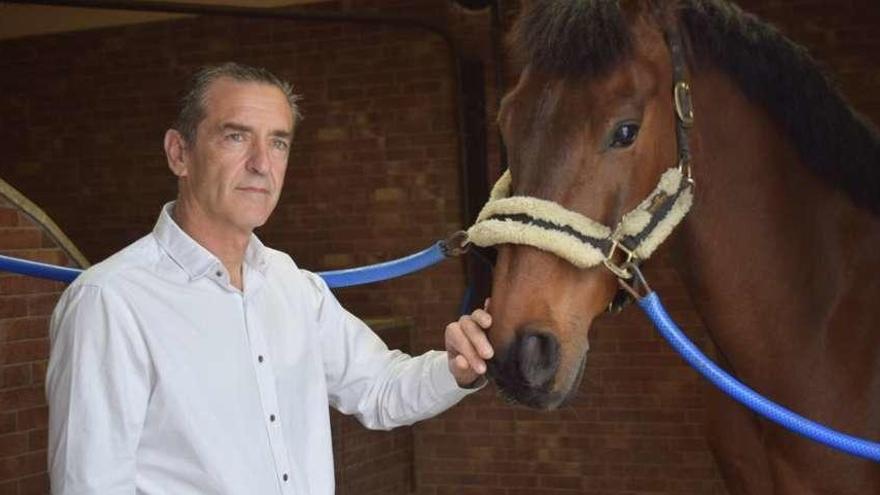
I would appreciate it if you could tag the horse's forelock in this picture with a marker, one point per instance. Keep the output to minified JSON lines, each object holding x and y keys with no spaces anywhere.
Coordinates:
{"x":573,"y":38}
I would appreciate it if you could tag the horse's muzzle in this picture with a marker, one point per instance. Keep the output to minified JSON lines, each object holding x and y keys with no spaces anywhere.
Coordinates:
{"x":525,"y":372}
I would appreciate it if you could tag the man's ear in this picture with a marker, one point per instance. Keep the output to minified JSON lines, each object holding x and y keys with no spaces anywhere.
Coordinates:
{"x":175,"y":152}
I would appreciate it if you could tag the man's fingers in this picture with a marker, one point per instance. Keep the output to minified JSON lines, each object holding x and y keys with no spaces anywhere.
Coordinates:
{"x":467,"y":343}
{"x":476,"y":335}
{"x":458,"y":342}
{"x":482,"y":317}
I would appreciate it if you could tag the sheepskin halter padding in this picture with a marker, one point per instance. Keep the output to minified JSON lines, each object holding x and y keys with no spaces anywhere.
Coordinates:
{"x":582,"y":241}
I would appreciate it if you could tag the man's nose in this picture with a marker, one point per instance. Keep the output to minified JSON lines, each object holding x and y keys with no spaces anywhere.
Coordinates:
{"x":259,"y":159}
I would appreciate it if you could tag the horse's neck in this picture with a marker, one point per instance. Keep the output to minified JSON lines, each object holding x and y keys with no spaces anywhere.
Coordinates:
{"x":770,"y":253}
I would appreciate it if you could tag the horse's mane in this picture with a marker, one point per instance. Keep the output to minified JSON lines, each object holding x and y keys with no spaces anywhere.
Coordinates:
{"x":583,"y":38}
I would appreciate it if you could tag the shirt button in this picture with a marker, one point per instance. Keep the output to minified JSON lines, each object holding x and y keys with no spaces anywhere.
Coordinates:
{"x":218,"y":273}
{"x":260,"y":358}
{"x":284,"y":477}
{"x":271,"y":417}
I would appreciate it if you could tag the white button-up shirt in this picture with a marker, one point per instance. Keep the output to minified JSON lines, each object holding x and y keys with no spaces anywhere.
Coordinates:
{"x":165,"y":379}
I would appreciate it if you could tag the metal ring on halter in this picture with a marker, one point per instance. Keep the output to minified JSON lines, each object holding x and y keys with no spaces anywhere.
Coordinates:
{"x":456,"y":244}
{"x":619,"y":270}
{"x":684,"y":166}
{"x":683,"y":104}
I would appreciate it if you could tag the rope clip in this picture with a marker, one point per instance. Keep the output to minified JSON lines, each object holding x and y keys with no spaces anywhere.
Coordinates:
{"x":638,"y":281}
{"x":456,"y":244}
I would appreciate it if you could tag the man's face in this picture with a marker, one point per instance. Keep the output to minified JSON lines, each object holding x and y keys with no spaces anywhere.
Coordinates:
{"x":232,"y":175}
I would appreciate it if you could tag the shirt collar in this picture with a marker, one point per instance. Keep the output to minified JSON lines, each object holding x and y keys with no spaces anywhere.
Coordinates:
{"x":191,"y":256}
{"x":255,"y":255}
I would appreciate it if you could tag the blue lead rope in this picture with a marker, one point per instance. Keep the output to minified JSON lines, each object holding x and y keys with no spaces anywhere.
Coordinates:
{"x":386,"y":270}
{"x":335,"y":278}
{"x":39,"y":270}
{"x":652,"y":306}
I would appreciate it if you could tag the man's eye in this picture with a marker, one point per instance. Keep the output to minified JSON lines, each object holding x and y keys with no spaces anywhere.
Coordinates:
{"x":281,"y":145}
{"x":235,"y":137}
{"x":624,"y":135}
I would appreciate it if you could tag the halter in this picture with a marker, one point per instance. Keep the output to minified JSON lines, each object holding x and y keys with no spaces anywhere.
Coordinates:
{"x":585,"y":242}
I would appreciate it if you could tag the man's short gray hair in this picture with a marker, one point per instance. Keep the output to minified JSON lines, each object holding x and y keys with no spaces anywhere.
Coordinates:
{"x":192,"y":105}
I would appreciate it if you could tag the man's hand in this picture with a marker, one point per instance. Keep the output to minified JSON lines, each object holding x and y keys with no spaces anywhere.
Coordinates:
{"x":468,"y":347}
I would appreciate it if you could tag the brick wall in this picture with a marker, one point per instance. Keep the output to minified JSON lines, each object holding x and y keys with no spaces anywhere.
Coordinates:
{"x":373,"y":176}
{"x":25,"y":306}
{"x":373,"y":172}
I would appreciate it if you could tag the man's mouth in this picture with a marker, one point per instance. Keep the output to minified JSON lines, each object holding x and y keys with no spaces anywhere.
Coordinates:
{"x":259,"y":190}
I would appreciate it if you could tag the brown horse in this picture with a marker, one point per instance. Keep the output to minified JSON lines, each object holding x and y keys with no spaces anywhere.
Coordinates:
{"x":780,"y":250}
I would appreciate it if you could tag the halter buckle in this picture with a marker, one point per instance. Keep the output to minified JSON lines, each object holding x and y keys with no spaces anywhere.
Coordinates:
{"x":684,"y":106}
{"x":619,"y":270}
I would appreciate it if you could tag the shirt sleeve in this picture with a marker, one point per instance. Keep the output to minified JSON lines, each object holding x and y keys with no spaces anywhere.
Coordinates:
{"x":383,"y":388}
{"x":97,"y":386}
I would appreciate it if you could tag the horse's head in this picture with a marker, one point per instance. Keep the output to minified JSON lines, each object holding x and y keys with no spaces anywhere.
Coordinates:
{"x":591,"y":127}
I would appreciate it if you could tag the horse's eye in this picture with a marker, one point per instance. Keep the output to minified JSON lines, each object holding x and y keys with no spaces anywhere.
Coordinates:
{"x":624,"y":135}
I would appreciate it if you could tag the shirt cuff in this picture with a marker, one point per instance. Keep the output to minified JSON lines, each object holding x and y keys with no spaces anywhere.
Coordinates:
{"x":444,"y":384}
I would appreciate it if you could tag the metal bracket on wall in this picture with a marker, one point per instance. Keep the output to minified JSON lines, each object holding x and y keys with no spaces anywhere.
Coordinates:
{"x":39,"y":216}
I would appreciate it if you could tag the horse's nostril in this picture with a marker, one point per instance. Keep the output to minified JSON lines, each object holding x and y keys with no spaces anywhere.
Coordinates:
{"x":538,"y":358}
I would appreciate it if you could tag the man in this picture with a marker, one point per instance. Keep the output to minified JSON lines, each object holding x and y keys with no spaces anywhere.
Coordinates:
{"x":198,"y":361}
